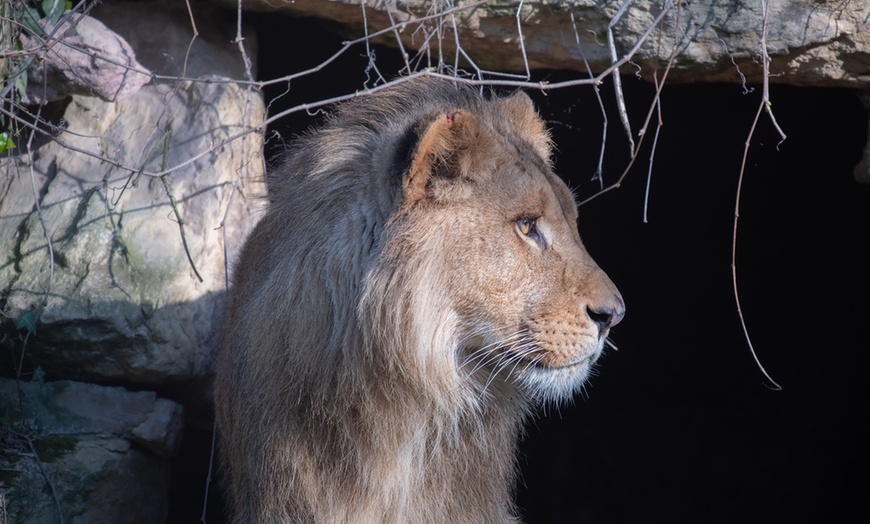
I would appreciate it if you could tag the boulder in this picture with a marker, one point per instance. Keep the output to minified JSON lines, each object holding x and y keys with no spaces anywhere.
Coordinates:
{"x":92,"y":453}
{"x":129,"y":288}
{"x":85,"y":57}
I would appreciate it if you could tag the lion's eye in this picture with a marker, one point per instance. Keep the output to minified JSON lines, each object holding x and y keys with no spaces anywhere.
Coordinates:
{"x":529,"y":227}
{"x":526,"y":225}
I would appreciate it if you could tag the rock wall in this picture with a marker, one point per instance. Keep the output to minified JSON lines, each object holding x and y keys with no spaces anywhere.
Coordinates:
{"x":110,"y":274}
{"x":810,"y":42}
{"x":130,"y":285}
{"x":100,"y":454}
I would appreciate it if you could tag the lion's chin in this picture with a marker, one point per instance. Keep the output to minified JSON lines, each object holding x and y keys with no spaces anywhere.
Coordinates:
{"x":556,"y":384}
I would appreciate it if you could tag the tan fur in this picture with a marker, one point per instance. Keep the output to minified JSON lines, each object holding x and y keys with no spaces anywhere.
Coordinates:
{"x":392,"y":318}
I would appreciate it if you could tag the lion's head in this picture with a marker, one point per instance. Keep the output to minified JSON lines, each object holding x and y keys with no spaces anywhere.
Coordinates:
{"x":482,"y":270}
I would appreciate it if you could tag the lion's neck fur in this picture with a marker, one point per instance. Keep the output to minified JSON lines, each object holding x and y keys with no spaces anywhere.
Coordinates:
{"x":396,"y":456}
{"x":388,"y":431}
{"x":386,"y":428}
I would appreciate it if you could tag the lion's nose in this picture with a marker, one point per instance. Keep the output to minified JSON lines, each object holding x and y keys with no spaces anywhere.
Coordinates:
{"x":607,"y":315}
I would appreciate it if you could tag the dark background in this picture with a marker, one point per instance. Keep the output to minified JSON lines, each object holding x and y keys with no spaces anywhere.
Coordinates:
{"x":679,"y":425}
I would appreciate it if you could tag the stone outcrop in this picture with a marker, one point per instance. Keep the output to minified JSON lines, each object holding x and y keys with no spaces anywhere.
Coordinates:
{"x":130,"y":287}
{"x":112,"y":274}
{"x":89,"y":59}
{"x":94,"y":454}
{"x":810,"y":42}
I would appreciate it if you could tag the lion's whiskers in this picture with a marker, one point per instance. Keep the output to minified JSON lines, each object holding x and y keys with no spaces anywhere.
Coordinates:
{"x":486,"y":355}
{"x":503,"y":356}
{"x":485,"y":350}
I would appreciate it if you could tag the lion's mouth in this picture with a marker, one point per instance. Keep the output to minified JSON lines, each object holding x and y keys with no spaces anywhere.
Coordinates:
{"x":539,"y":364}
{"x":529,"y":356}
{"x":539,"y":360}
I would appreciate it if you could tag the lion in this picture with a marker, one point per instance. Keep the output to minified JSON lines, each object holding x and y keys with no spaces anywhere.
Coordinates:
{"x":416,"y":287}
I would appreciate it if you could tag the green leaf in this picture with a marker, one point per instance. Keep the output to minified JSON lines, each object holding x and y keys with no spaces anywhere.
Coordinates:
{"x":6,"y":141}
{"x":21,"y":84}
{"x":38,"y":375}
{"x":29,"y":19}
{"x":25,"y":322}
{"x":57,"y":5}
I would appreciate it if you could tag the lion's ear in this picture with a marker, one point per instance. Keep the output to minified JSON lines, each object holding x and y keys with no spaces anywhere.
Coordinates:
{"x":445,"y":151}
{"x":520,"y":112}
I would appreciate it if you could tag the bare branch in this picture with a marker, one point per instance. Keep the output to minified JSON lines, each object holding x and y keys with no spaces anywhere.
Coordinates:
{"x":192,"y":38}
{"x":38,"y":205}
{"x":174,"y":204}
{"x":642,"y":133}
{"x":659,"y":123}
{"x":764,"y":104}
{"x":399,"y":43}
{"x":372,"y":66}
{"x":599,"y":172}
{"x":617,"y":81}
{"x":25,"y":437}
{"x":522,"y":40}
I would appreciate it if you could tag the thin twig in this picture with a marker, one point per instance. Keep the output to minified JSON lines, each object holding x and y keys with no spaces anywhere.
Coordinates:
{"x":45,"y":233}
{"x":370,"y":54}
{"x":42,"y":470}
{"x":192,"y":38}
{"x":659,"y":123}
{"x":652,"y":155}
{"x":617,"y":81}
{"x":763,"y":105}
{"x":456,"y":43}
{"x":599,"y":171}
{"x":439,"y":33}
{"x":522,"y":40}
{"x":746,"y":89}
{"x":642,"y":133}
{"x":240,"y":41}
{"x":399,"y":43}
{"x":208,"y":478}
{"x":174,"y":204}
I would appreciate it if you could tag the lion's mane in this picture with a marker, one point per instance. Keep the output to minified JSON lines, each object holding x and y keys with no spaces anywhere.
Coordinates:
{"x":341,"y":394}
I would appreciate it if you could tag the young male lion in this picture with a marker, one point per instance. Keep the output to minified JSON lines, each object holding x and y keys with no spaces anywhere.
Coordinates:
{"x":416,"y":285}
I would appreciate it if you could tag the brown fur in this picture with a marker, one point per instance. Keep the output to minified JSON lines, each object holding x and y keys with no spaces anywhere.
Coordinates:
{"x":393,"y":317}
